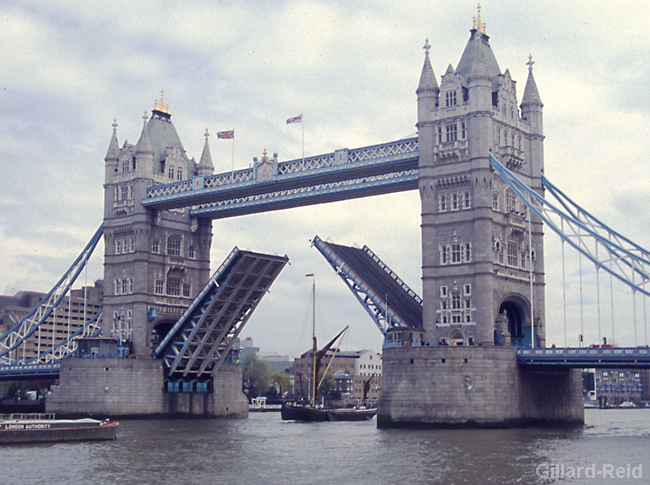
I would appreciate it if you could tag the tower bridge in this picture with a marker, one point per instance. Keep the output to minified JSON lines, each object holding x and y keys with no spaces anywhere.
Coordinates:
{"x":470,"y":350}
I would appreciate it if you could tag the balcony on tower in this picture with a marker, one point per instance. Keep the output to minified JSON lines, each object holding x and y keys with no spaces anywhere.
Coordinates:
{"x":450,"y":151}
{"x":513,"y":158}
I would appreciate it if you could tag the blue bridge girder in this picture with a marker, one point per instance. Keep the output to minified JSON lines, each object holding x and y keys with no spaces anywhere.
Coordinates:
{"x":343,"y":174}
{"x":202,"y":338}
{"x":384,"y":295}
{"x":30,"y":371}
{"x":586,"y":357}
{"x":28,"y":326}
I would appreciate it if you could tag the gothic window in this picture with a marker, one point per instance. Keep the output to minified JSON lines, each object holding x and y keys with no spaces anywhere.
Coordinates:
{"x":455,"y":301}
{"x":455,"y":253}
{"x":118,"y":246}
{"x":191,"y":252}
{"x":450,"y":98}
{"x":444,"y":254}
{"x":468,"y":252}
{"x":443,"y":291}
{"x":444,"y":314}
{"x":179,"y":173}
{"x":133,"y":245}
{"x":495,"y":201}
{"x":155,"y":246}
{"x":125,"y":286}
{"x":498,"y":250}
{"x":511,"y":202}
{"x":125,"y":165}
{"x":440,"y":134}
{"x":463,"y":131}
{"x":186,"y":290}
{"x":442,"y":202}
{"x":513,"y":253}
{"x":159,"y":287}
{"x":170,"y":172}
{"x":174,"y":245}
{"x":452,"y":132}
{"x":173,"y":285}
{"x":467,"y":200}
{"x":467,"y":289}
{"x":454,"y":202}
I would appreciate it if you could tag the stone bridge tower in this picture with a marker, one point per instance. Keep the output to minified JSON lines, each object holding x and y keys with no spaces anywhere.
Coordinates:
{"x":479,"y":255}
{"x":155,"y":261}
{"x":483,"y":265}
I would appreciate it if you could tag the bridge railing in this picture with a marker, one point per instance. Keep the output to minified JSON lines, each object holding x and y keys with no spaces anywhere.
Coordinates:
{"x":340,"y":159}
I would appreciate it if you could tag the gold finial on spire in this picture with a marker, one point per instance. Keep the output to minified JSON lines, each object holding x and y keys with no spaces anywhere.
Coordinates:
{"x":265,"y":157}
{"x":478,"y":24}
{"x":160,"y":104}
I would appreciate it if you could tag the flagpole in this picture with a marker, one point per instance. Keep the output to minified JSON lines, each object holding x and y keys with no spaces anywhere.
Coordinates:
{"x":232,"y":172}
{"x":303,"y":138}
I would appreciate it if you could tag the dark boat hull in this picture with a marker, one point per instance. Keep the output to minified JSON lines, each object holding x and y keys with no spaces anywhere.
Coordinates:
{"x":57,"y":434}
{"x":308,"y":413}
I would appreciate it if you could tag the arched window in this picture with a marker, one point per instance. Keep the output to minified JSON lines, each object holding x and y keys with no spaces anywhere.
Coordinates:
{"x":174,"y":245}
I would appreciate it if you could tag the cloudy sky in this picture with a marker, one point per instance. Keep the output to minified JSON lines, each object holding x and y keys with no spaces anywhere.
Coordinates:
{"x":68,"y":68}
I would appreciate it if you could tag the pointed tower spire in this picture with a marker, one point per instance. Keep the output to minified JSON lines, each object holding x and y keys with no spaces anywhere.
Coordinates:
{"x":143,"y":147}
{"x":479,"y":66}
{"x":113,"y":151}
{"x":428,"y":90}
{"x":205,"y":166}
{"x":531,"y":94}
{"x":428,"y":81}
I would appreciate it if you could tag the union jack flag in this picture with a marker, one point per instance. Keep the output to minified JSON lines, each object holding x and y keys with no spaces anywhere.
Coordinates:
{"x":296,"y":119}
{"x":226,"y":134}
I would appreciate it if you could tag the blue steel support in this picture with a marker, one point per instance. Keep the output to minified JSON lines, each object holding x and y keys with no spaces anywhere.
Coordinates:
{"x":627,"y":264}
{"x":37,"y":316}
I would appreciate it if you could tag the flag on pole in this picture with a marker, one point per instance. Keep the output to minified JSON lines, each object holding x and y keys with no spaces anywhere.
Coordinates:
{"x":227,"y":135}
{"x":295,"y":119}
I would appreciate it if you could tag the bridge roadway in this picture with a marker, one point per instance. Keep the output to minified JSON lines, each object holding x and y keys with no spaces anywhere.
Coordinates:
{"x":586,"y":357}
{"x":374,"y":284}
{"x":343,"y":174}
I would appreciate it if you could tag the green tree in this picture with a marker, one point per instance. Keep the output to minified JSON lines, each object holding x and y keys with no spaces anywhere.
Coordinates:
{"x":255,"y":375}
{"x":280,"y":380}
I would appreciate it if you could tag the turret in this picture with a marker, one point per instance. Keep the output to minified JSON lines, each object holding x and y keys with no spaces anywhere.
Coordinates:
{"x":205,"y":166}
{"x":144,"y":153}
{"x":531,"y":103}
{"x":428,"y":91}
{"x":112,"y":156}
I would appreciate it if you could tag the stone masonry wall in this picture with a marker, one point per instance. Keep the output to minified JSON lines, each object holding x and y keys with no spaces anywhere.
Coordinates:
{"x":134,"y":387}
{"x":478,"y":386}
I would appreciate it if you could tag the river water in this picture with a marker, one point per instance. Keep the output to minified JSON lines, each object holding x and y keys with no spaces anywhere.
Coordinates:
{"x":265,"y":450}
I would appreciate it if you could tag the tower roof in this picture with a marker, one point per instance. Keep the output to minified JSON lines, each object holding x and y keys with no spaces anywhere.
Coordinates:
{"x":163,"y":135}
{"x":144,"y":143}
{"x":113,"y":152}
{"x":428,"y":81}
{"x":205,"y":164}
{"x":531,"y":94}
{"x":479,"y":41}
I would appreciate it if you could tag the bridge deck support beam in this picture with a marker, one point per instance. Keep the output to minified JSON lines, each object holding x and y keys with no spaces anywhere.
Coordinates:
{"x":475,"y":386}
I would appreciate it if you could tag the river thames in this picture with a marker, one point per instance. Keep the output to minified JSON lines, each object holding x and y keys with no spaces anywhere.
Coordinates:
{"x":265,"y":450}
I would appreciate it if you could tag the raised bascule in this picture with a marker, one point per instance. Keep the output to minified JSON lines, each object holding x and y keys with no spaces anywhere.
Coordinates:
{"x":469,"y":352}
